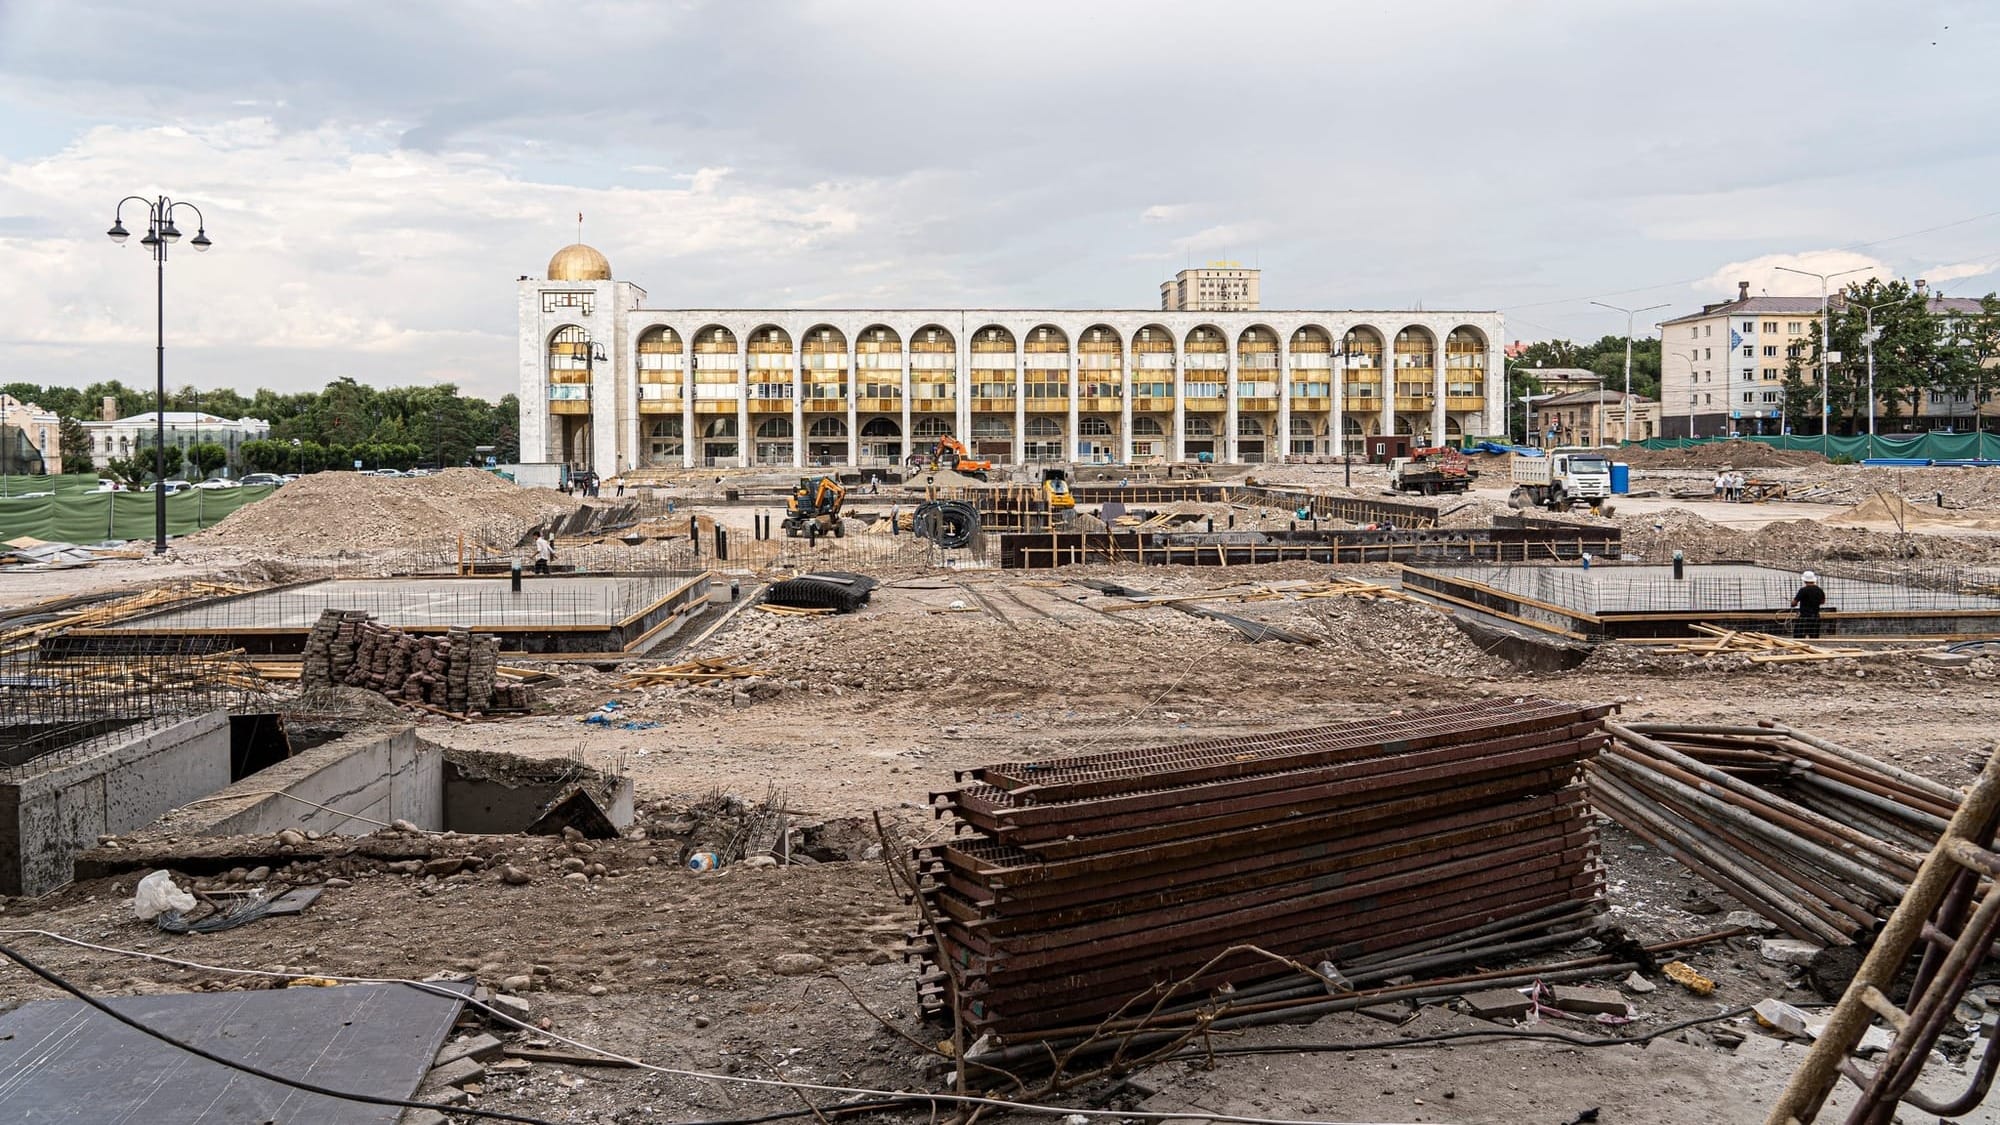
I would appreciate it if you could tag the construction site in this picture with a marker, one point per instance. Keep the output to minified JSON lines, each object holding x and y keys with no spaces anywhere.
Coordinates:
{"x":957,"y":792}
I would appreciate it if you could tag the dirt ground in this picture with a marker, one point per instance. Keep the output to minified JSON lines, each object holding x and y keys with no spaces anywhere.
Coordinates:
{"x":857,"y":716}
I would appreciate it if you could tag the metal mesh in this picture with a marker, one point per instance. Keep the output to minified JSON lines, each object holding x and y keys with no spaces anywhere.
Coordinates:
{"x":1736,"y":588}
{"x":71,"y":704}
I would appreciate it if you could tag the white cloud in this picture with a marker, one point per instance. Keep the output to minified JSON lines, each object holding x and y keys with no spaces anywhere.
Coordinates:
{"x":1766,"y":278}
{"x":1939,"y":275}
{"x":1163,"y":212}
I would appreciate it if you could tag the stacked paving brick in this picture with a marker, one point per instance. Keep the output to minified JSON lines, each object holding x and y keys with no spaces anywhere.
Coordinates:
{"x":1078,"y":884}
{"x":457,"y":672}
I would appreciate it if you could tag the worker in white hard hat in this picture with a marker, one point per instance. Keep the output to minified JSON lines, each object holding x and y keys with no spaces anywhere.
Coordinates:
{"x":1807,"y":601}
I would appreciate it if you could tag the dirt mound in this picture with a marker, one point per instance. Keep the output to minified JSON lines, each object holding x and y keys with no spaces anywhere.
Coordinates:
{"x":1886,"y":507}
{"x":1716,"y":455}
{"x":353,"y":511}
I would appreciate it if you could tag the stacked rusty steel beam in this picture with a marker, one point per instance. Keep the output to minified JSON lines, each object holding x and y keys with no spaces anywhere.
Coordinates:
{"x":1820,"y":839}
{"x":1086,"y":882}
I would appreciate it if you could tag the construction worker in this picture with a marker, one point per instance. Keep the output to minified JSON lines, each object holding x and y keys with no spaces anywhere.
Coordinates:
{"x":1807,"y":601}
{"x":545,"y":551}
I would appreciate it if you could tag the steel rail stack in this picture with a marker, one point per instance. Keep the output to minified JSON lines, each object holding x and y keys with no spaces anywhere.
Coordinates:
{"x":1086,"y":882}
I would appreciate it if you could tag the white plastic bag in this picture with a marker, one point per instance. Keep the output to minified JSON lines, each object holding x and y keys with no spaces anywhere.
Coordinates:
{"x":158,"y":894}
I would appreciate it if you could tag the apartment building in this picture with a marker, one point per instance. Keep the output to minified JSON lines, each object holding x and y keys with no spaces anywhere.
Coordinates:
{"x":1723,"y":368}
{"x":1217,"y":287}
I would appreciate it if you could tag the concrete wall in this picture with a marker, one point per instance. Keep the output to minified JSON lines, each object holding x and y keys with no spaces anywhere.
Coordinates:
{"x":50,"y":814}
{"x":382,"y":774}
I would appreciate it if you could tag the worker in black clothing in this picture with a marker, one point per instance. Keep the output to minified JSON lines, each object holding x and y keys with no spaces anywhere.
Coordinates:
{"x":1807,"y":601}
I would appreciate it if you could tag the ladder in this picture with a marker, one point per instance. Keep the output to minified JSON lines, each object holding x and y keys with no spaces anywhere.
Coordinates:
{"x":1946,"y":911}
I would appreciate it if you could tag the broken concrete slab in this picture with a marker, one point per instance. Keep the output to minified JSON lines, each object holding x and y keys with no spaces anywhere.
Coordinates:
{"x":1943,"y":659}
{"x":1639,"y":984}
{"x":1787,"y":951}
{"x":1498,"y":1004}
{"x":458,"y":1072}
{"x":1589,"y":1001}
{"x":480,"y":1046}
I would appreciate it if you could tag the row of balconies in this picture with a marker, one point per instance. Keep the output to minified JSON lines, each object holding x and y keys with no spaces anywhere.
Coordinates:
{"x":1043,"y":361}
{"x":992,"y":397}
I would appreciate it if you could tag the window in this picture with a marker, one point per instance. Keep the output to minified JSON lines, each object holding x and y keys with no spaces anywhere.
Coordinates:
{"x":1694,"y":333}
{"x":583,"y":302}
{"x":1749,"y":327}
{"x":1770,"y":326}
{"x":1093,"y":427}
{"x":1770,"y":373}
{"x":1708,"y":353}
{"x":1708,"y":400}
{"x":1770,"y":396}
{"x":1794,"y":328}
{"x":1746,"y":396}
{"x":1792,"y":351}
{"x":1770,"y":350}
{"x":1749,"y":350}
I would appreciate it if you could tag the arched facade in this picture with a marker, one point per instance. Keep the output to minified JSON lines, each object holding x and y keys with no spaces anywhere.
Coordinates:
{"x":601,"y":369}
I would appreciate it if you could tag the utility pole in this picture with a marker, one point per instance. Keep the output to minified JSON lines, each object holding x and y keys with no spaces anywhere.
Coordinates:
{"x":1825,"y":342}
{"x":1626,"y":431}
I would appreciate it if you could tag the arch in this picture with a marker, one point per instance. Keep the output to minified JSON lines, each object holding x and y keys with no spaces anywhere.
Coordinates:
{"x":1305,"y":427}
{"x":1152,"y":339}
{"x":1406,"y":424}
{"x":932,"y":426}
{"x":995,"y":428}
{"x":878,"y":339}
{"x":1144,"y":426}
{"x":824,"y":339}
{"x":993,"y":338}
{"x":1247,"y":426}
{"x":1452,"y":428}
{"x":665,"y":428}
{"x":1311,"y":339}
{"x":775,"y":428}
{"x":770,"y":339}
{"x":1100,"y":339}
{"x":1205,"y":339}
{"x":1465,"y":361}
{"x":569,"y":350}
{"x":1350,"y":426}
{"x":933,"y":338}
{"x":660,"y":339}
{"x":1200,"y":426}
{"x":1362,"y":344}
{"x":881,"y":428}
{"x":828,"y":427}
{"x":1040,"y":425}
{"x":1257,"y":337}
{"x":1093,"y":426}
{"x":715,"y":339}
{"x":1416,"y":349}
{"x":723,"y":426}
{"x":1047,"y":338}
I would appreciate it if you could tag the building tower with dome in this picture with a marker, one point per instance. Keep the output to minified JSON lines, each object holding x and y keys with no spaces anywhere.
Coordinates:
{"x":613,"y":384}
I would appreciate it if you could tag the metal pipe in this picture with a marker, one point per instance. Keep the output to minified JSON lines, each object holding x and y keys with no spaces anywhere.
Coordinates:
{"x":1772,"y":829}
{"x":1747,"y":886}
{"x":1801,"y":819}
{"x":1913,"y":780}
{"x":1862,"y":797}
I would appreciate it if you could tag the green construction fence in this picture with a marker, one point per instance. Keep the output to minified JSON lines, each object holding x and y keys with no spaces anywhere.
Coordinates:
{"x":1925,"y":447}
{"x":87,"y":516}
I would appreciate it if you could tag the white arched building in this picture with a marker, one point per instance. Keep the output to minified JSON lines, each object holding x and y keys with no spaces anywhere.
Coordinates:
{"x":610,"y":384}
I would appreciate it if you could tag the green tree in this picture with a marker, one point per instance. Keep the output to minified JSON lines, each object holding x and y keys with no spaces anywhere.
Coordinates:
{"x":75,"y":445}
{"x":207,"y":457}
{"x":1801,"y":404}
{"x":130,"y":471}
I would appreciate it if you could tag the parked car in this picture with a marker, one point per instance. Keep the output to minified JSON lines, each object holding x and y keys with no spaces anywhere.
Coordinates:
{"x":175,"y":485}
{"x":255,"y":480}
{"x":290,"y":477}
{"x":213,"y":484}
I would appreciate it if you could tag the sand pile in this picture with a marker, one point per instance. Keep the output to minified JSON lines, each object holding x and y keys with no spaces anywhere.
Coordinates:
{"x":1884,"y":507}
{"x":1716,"y":455}
{"x":328,"y":512}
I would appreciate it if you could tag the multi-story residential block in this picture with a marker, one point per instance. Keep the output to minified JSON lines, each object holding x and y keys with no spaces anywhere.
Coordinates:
{"x":611,"y":383}
{"x":1217,"y":287}
{"x":1723,"y":368}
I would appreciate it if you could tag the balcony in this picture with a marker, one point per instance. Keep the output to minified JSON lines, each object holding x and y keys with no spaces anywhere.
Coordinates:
{"x":1206,"y":361}
{"x":1100,"y":403}
{"x":1152,"y":404}
{"x":1153,"y":361}
{"x":1414,"y":404}
{"x":879,"y":405}
{"x":1256,"y":405}
{"x":933,"y":361}
{"x":569,"y":398}
{"x":1257,"y":361}
{"x":715,"y":406}
{"x":717,"y":361}
{"x":826,"y":406}
{"x":1312,"y":361}
{"x":1464,"y":402}
{"x":1311,"y":403}
{"x":1206,"y":402}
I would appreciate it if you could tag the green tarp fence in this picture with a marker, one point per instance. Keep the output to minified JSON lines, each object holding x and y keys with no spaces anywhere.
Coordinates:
{"x":1928,"y":447}
{"x":72,"y":516}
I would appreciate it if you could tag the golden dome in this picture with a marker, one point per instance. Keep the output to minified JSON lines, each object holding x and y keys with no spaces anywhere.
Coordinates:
{"x":577,"y":262}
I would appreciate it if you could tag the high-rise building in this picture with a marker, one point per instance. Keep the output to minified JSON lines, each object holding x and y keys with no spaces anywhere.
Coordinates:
{"x":1216,"y":287}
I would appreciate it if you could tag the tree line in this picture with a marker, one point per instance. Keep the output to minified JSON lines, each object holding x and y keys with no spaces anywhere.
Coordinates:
{"x":347,"y":421}
{"x":1924,"y":357}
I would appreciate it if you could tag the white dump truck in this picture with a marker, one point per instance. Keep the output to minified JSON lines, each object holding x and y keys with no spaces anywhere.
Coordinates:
{"x":1560,"y":478}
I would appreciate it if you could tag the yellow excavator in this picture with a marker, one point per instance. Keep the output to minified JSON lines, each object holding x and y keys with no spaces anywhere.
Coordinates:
{"x":1056,"y":492}
{"x":814,"y":508}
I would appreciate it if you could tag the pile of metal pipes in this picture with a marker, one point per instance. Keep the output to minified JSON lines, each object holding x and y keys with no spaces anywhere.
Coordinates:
{"x":1086,"y":883}
{"x":1820,"y":839}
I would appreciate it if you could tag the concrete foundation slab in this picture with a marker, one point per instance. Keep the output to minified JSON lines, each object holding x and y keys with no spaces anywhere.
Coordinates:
{"x":581,"y":613}
{"x":56,"y":806}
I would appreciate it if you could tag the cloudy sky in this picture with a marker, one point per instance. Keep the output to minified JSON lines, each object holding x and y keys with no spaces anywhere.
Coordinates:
{"x":375,"y":176}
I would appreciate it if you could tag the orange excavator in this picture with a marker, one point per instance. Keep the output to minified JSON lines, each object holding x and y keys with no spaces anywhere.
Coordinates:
{"x":949,"y":453}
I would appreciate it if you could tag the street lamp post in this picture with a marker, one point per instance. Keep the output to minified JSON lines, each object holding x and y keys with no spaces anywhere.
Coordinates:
{"x":1626,"y":435}
{"x":160,"y":233}
{"x":1868,"y":338}
{"x":1825,"y":341}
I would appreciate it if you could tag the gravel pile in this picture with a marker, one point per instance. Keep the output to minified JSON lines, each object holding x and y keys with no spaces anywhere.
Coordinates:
{"x":1721,"y":454}
{"x":353,"y":511}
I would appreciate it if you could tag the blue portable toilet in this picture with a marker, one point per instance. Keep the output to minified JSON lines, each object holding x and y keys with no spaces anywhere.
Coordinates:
{"x":1621,"y":478}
